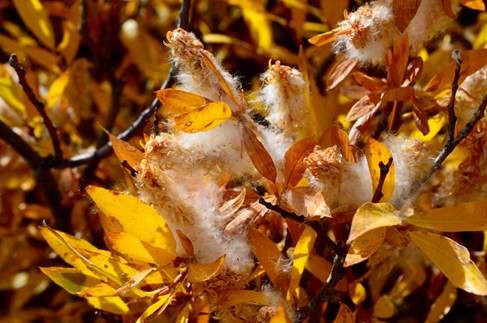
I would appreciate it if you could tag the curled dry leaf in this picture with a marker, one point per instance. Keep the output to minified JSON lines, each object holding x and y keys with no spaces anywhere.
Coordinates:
{"x":342,"y":67}
{"x":294,"y":165}
{"x":258,"y":154}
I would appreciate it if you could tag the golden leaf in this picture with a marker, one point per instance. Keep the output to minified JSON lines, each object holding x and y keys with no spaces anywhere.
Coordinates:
{"x":294,"y":166}
{"x":258,"y":154}
{"x":318,"y":266}
{"x":280,"y":316}
{"x":398,"y":57}
{"x":56,"y":90}
{"x":123,"y":213}
{"x":371,"y":216}
{"x":376,"y":152}
{"x":36,"y":19}
{"x":177,"y":102}
{"x":471,"y":216}
{"x":202,"y":272}
{"x":269,"y":257}
{"x":111,"y":304}
{"x":452,"y":259}
{"x":125,"y":151}
{"x":384,"y":308}
{"x":473,"y":4}
{"x":357,"y":293}
{"x":301,"y":254}
{"x":159,"y":305}
{"x":203,"y":118}
{"x":364,"y":246}
{"x":324,"y":38}
{"x":71,"y":279}
{"x":185,"y":242}
{"x":234,"y":297}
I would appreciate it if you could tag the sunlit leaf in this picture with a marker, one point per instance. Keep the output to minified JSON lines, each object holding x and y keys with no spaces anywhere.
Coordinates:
{"x":473,"y":4}
{"x":36,"y":19}
{"x":269,"y":257}
{"x":301,"y":254}
{"x":203,"y":118}
{"x":111,"y":304}
{"x":342,"y":67}
{"x":235,"y":297}
{"x":471,"y":216}
{"x":177,"y":102}
{"x":202,"y":272}
{"x":56,"y":90}
{"x":258,"y":154}
{"x":125,"y":151}
{"x":365,"y":246}
{"x":357,"y":293}
{"x":71,"y":279}
{"x":377,"y":152}
{"x":100,"y":289}
{"x":372,"y":216}
{"x":452,"y":259}
{"x":294,"y":160}
{"x":159,"y":305}
{"x":280,"y":316}
{"x":70,"y":42}
{"x":123,"y":213}
{"x":384,"y":308}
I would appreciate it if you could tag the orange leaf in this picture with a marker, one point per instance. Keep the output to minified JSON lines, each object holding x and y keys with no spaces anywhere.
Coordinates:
{"x":372,"y":84}
{"x":473,"y":4}
{"x":397,"y":61}
{"x":185,"y":242}
{"x":446,"y":4}
{"x":365,"y":106}
{"x":258,"y":154}
{"x":294,"y":166}
{"x":325,"y":38}
{"x":404,"y":11}
{"x":339,"y":137}
{"x":340,"y":69}
{"x":365,"y":246}
{"x":203,"y":272}
{"x":125,"y":151}
{"x":177,"y":102}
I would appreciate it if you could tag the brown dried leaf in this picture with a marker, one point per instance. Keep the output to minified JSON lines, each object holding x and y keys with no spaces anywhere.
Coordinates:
{"x":372,"y":84}
{"x":258,"y":154}
{"x":294,"y":165}
{"x":340,"y":69}
{"x":446,"y":5}
{"x":363,"y":107}
{"x":397,"y":61}
{"x":404,"y":11}
{"x":420,"y":118}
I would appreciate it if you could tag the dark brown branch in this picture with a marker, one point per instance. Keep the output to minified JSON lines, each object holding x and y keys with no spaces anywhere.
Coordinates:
{"x":51,"y":128}
{"x":20,"y":146}
{"x":384,"y":170}
{"x":282,"y":212}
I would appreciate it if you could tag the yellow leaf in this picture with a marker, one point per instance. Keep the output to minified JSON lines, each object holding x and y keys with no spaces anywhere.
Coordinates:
{"x":234,"y":297}
{"x":318,"y":266}
{"x":435,"y":124}
{"x":357,"y":293}
{"x":203,"y":118}
{"x":442,"y":304}
{"x":56,"y":90}
{"x":131,"y":248}
{"x":259,"y":25}
{"x":71,"y":279}
{"x":452,"y":259}
{"x":11,"y":93}
{"x":280,"y":316}
{"x":324,"y":38}
{"x":123,"y":213}
{"x":177,"y":102}
{"x":98,"y":290}
{"x":344,"y":315}
{"x":125,"y":151}
{"x":377,"y":152}
{"x":365,"y":246}
{"x":269,"y":257}
{"x":471,"y":216}
{"x":36,"y":19}
{"x":372,"y":216}
{"x":111,"y":304}
{"x":160,"y":305}
{"x":301,"y":254}
{"x":43,"y":57}
{"x":203,"y":272}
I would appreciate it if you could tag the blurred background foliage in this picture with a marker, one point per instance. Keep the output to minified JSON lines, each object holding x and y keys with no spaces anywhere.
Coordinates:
{"x":95,"y":64}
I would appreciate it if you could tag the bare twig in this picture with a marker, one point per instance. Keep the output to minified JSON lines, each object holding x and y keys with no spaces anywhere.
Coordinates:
{"x":384,"y":170}
{"x":51,"y":128}
{"x":282,"y":212}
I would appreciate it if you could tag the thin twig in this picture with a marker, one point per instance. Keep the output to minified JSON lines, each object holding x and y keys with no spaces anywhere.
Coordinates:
{"x":51,"y":128}
{"x":452,"y":140}
{"x":384,"y":170}
{"x":282,"y":212}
